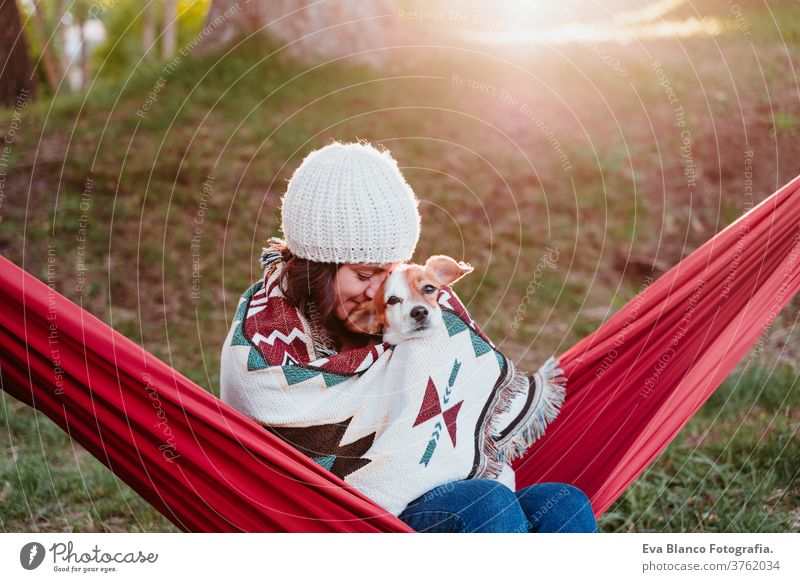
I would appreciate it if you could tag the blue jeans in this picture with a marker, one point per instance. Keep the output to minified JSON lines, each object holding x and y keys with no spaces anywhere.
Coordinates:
{"x":484,"y":505}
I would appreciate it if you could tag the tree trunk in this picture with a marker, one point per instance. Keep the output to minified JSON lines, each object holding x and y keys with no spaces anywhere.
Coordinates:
{"x":51,"y":69}
{"x":16,"y":74}
{"x":224,"y":28}
{"x":62,"y":29}
{"x":149,"y":30}
{"x":84,"y":54}
{"x":310,"y":30}
{"x":168,"y":40}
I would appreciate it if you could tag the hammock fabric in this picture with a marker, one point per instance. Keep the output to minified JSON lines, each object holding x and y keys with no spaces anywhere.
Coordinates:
{"x":631,"y":386}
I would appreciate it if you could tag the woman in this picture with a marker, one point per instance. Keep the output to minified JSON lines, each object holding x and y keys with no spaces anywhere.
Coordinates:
{"x":349,"y":217}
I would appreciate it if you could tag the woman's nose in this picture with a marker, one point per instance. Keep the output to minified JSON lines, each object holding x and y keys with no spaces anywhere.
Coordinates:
{"x":373,"y":287}
{"x":370,"y":291}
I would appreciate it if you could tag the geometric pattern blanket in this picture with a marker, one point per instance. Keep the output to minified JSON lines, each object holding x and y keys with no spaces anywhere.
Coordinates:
{"x":392,"y":421}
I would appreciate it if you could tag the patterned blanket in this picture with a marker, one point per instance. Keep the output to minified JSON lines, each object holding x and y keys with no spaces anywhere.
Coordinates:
{"x":392,"y":421}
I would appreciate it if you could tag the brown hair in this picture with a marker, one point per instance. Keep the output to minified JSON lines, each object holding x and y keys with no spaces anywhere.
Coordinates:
{"x":308,"y":285}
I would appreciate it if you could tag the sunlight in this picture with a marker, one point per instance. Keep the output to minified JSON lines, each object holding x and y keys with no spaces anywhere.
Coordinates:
{"x":627,"y":26}
{"x":649,"y":12}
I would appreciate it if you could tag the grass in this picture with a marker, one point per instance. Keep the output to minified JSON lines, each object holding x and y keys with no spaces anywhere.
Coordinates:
{"x":493,"y":197}
{"x":735,"y":467}
{"x":50,"y":483}
{"x":785,"y":122}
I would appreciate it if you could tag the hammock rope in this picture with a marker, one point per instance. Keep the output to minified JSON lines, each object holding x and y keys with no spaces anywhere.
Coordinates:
{"x":631,"y":386}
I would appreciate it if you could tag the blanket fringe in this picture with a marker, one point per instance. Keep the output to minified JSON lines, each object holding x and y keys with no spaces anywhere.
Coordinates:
{"x":549,"y":384}
{"x":271,"y":253}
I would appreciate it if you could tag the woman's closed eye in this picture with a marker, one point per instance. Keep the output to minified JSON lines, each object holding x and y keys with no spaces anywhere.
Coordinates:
{"x":363,"y":277}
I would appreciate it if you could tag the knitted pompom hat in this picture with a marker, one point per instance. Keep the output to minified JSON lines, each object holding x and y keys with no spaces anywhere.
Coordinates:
{"x":349,"y":203}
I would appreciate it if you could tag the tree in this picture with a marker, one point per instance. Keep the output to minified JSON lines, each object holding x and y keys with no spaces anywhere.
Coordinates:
{"x":16,"y":73}
{"x":81,"y":11}
{"x":310,"y":29}
{"x":149,"y":30}
{"x":170,"y":29}
{"x":60,"y":12}
{"x":52,"y":70}
{"x":136,"y":34}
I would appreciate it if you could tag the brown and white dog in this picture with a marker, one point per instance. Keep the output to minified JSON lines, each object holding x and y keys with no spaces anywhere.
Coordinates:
{"x":405,"y":306}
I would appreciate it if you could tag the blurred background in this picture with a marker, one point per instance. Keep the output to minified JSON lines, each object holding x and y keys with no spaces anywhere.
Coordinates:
{"x":146,"y":145}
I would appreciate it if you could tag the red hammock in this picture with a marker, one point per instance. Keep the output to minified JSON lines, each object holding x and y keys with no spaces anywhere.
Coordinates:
{"x":632,"y":385}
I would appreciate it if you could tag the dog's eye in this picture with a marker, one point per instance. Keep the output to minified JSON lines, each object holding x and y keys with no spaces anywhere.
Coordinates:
{"x":393,"y":300}
{"x":428,"y":289}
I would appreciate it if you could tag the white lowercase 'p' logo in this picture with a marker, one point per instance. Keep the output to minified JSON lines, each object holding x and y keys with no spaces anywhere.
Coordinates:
{"x":31,"y":555}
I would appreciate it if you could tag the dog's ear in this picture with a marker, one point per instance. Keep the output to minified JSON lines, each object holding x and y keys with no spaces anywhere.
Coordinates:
{"x":446,"y":269}
{"x":365,"y":319}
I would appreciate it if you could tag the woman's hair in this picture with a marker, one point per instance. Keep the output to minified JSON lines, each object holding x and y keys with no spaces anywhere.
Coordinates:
{"x":308,"y":285}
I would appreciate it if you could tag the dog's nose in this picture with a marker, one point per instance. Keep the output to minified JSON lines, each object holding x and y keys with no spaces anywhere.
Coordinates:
{"x":419,"y":313}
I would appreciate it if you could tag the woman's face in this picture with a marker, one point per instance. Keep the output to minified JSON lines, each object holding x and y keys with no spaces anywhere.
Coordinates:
{"x":356,"y":283}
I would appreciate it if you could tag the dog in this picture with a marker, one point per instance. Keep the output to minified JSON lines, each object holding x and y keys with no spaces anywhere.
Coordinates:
{"x":406,"y":304}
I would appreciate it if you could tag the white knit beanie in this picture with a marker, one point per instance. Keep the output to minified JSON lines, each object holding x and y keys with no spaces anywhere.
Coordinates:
{"x":349,"y":203}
